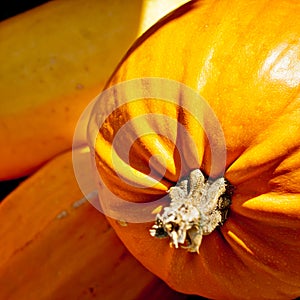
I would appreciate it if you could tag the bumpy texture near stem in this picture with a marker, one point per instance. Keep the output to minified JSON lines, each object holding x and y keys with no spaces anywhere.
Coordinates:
{"x":197,"y":207}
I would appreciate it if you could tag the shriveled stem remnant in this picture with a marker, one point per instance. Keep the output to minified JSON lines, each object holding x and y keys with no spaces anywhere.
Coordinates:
{"x":197,"y":207}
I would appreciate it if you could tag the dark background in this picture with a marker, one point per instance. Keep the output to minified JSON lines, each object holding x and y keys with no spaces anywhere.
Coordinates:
{"x":9,"y":8}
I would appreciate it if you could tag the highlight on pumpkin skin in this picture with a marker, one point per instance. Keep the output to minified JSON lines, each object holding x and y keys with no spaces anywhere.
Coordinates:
{"x":136,"y":157}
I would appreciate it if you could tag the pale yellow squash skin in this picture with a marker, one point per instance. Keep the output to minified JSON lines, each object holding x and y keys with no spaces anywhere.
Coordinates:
{"x":243,"y":57}
{"x":54,"y":60}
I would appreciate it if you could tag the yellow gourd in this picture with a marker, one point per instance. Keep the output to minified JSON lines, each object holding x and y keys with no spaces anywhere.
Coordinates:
{"x":54,"y":60}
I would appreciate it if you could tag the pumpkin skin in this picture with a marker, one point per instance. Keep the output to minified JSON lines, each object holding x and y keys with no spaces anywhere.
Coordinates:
{"x":243,"y":57}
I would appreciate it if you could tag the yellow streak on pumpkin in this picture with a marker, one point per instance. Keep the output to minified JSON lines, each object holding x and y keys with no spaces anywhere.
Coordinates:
{"x":157,"y":210}
{"x":239,"y":241}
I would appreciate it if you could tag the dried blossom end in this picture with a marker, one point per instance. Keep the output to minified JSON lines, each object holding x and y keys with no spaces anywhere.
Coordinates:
{"x":197,"y":207}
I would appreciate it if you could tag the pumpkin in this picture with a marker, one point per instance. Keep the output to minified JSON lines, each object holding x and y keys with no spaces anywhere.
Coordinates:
{"x":56,"y":245}
{"x":243,"y":58}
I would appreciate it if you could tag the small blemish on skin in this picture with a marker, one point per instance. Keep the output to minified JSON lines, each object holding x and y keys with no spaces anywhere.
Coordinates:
{"x":62,"y":214}
{"x":79,"y":86}
{"x":123,"y":223}
{"x":78,"y":203}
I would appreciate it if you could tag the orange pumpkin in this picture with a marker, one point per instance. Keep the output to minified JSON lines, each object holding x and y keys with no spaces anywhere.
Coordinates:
{"x":243,"y":58}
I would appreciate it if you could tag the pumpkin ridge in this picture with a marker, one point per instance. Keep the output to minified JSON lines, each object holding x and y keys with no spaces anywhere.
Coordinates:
{"x":264,"y":209}
{"x":270,"y":157}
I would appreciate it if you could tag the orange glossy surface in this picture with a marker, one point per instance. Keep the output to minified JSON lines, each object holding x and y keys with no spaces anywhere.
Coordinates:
{"x":243,"y":57}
